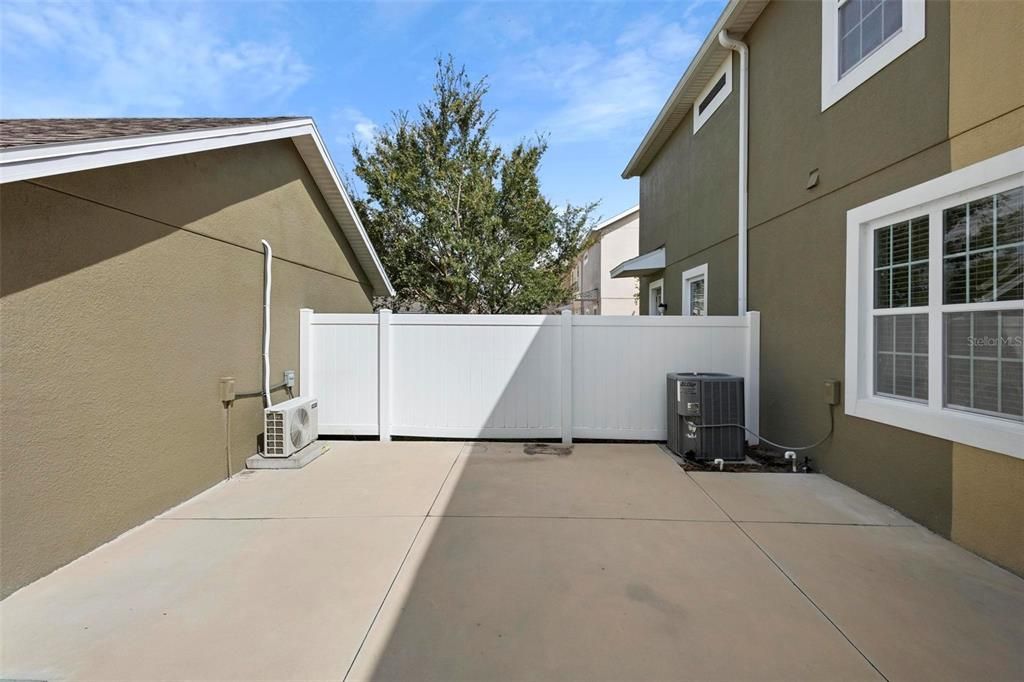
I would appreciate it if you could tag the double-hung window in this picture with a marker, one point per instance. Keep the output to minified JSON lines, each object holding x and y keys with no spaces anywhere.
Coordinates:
{"x":861,"y":37}
{"x":935,"y":307}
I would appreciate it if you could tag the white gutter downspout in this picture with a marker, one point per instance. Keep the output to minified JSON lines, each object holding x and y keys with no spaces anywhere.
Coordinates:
{"x":268,"y":256}
{"x":741,"y":47}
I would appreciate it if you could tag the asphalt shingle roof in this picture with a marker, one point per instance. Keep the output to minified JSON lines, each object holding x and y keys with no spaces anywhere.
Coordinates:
{"x":24,"y":132}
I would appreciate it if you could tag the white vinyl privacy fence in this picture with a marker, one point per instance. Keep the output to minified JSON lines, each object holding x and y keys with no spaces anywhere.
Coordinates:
{"x":513,"y":376}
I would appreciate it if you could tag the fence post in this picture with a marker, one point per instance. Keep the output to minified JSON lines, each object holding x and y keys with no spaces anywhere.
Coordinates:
{"x":566,"y":376}
{"x":384,"y":374}
{"x":307,"y":386}
{"x":753,"y":381}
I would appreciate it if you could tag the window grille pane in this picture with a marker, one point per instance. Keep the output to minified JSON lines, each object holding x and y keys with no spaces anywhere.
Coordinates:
{"x":1010,"y":217}
{"x":958,"y":333}
{"x":849,"y":16}
{"x":919,"y":239}
{"x":920,"y":377}
{"x":697,"y":297}
{"x":919,"y":284}
{"x":863,"y":26}
{"x":985,"y":385}
{"x":904,"y":376}
{"x":904,"y":334}
{"x":981,"y":277}
{"x":1011,"y":391}
{"x":1013,"y":331}
{"x":849,"y":53}
{"x":884,"y":375}
{"x":980,"y":214}
{"x":900,"y":287}
{"x":882,"y":290}
{"x":883,"y":332}
{"x":901,"y":264}
{"x":991,"y":232}
{"x":1010,"y":274}
{"x":983,"y":368}
{"x":871,"y":27}
{"x":900,"y":243}
{"x":893,"y":17}
{"x":955,"y":280}
{"x":901,"y":356}
{"x":954,"y":230}
{"x":883,"y":241}
{"x":958,"y":382}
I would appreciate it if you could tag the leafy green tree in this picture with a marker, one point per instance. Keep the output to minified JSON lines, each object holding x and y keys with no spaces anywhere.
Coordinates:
{"x":460,"y":225}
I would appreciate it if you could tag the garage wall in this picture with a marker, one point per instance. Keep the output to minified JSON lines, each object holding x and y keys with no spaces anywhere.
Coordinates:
{"x":125,"y":293}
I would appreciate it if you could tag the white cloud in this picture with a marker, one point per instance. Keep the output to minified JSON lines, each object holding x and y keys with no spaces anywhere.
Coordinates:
{"x":612,"y":91}
{"x":355,"y":124}
{"x":161,"y":59}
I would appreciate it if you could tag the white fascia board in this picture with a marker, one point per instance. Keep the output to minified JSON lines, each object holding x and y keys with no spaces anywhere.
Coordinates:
{"x":384,"y":286}
{"x":36,"y":161}
{"x":644,"y":264}
{"x":614,"y":219}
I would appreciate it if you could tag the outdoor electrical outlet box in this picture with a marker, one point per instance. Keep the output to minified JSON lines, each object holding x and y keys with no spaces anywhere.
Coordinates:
{"x":832,"y":391}
{"x":227,"y":389}
{"x":289,"y":378}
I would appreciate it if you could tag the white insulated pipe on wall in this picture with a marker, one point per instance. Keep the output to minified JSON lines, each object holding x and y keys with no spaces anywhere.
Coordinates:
{"x":268,"y":255}
{"x":739,"y":46}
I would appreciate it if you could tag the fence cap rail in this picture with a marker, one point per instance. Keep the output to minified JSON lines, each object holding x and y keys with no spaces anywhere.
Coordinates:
{"x":440,"y":319}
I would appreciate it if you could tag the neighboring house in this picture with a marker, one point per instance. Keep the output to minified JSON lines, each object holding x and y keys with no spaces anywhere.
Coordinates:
{"x":611,"y":242}
{"x":132,"y":281}
{"x":884,"y":221}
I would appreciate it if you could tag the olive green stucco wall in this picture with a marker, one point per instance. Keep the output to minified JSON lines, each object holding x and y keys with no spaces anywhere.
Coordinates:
{"x":126,"y":293}
{"x":888,"y":134}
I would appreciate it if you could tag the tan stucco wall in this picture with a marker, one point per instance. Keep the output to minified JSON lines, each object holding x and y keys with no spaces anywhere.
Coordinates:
{"x":986,"y":117}
{"x":988,"y":505}
{"x":115,"y":325}
{"x":986,"y":79}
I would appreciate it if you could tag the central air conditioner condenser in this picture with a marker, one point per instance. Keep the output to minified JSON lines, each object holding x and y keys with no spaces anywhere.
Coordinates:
{"x":697,"y":400}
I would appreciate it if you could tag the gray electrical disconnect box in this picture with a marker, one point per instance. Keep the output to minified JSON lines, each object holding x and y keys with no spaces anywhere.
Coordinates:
{"x":705,"y":399}
{"x":832,"y":391}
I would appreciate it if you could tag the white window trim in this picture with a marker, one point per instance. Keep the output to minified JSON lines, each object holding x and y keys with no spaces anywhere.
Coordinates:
{"x":834,"y":87}
{"x":987,"y":177}
{"x":700,"y":118}
{"x":656,"y":284}
{"x":699,"y":272}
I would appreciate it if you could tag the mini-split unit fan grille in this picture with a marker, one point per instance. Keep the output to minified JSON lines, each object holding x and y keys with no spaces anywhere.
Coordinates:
{"x":289,"y":427}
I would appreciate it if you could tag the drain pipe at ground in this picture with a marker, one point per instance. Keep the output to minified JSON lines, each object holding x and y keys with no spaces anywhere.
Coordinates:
{"x":741,"y":47}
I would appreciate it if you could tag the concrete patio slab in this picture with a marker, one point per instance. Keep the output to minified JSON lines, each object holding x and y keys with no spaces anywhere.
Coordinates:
{"x":355,"y":478}
{"x":597,"y":599}
{"x":918,"y":606}
{"x":208,"y":600}
{"x":595,"y":481}
{"x":801,"y":498}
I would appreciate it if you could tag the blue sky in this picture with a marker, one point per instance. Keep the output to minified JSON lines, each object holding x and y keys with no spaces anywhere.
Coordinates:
{"x":591,"y":76}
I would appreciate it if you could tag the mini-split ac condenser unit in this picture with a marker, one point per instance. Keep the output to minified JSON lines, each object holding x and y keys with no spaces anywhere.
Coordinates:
{"x":700,"y":404}
{"x":289,"y":427}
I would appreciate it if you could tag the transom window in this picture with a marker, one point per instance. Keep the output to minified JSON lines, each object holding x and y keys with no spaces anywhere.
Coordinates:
{"x":935,"y":315}
{"x":863,"y":26}
{"x":714,"y":94}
